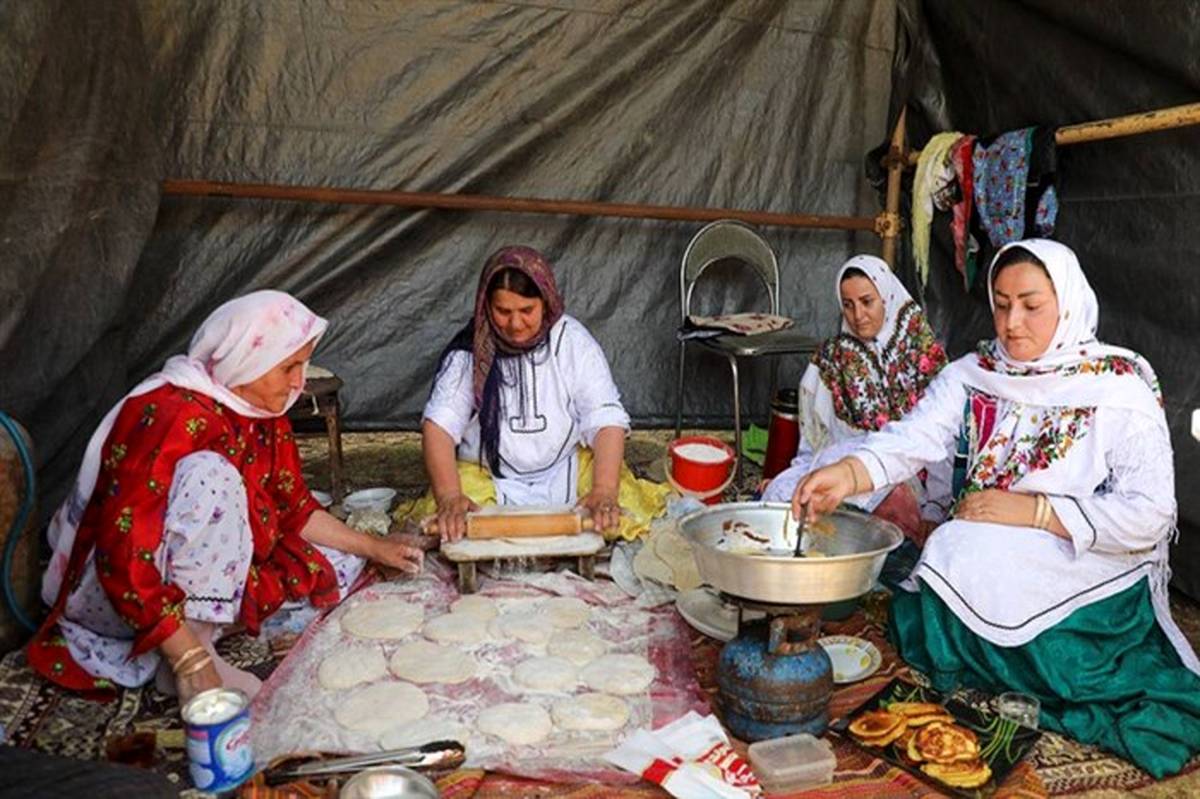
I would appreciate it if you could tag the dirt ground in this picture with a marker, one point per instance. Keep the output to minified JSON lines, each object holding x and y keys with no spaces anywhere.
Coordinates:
{"x":393,"y":459}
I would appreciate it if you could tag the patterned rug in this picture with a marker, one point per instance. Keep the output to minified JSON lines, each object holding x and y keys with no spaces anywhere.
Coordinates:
{"x":37,"y":715}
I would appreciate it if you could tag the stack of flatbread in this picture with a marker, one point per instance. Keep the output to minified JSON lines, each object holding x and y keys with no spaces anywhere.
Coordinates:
{"x":666,"y":557}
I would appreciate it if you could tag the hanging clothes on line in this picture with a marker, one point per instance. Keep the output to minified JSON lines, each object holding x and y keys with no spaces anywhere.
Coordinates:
{"x":966,"y":248}
{"x":934,"y":179}
{"x":1014,"y":184}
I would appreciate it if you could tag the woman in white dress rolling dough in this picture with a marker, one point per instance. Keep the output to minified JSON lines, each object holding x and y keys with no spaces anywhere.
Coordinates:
{"x":524,"y":410}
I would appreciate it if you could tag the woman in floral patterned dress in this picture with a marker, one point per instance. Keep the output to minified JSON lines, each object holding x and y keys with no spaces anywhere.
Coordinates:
{"x":189,"y":513}
{"x":875,"y":370}
{"x":1051,"y":579}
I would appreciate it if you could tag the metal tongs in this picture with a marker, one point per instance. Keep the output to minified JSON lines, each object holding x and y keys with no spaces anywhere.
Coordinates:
{"x":440,"y":754}
{"x":801,"y":522}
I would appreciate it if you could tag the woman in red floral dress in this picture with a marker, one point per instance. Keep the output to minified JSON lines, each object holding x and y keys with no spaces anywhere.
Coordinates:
{"x":190,"y":513}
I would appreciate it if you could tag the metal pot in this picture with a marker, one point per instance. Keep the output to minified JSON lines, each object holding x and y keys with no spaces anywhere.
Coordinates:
{"x":755,"y":569}
{"x":388,"y":782}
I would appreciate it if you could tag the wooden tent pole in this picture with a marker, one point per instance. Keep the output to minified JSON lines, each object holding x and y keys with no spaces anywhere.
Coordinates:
{"x":888,"y":223}
{"x":476,"y":202}
{"x":1179,"y":116}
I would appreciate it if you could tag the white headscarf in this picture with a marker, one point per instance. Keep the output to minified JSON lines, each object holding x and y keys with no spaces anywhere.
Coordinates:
{"x":1076,"y":370}
{"x":238,"y":343}
{"x":891,"y":292}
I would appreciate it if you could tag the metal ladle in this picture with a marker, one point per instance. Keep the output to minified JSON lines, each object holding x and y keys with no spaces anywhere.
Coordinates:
{"x":803,"y":520}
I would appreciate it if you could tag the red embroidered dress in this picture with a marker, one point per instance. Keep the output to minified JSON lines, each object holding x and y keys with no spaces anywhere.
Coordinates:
{"x":123,"y":522}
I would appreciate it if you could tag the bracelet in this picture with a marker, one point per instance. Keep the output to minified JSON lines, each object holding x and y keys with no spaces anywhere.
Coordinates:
{"x":1043,"y":511}
{"x":853,"y":476}
{"x":191,"y":653}
{"x":199,"y":665}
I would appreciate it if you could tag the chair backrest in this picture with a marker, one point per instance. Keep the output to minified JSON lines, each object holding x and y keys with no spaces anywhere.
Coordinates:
{"x":727,"y":239}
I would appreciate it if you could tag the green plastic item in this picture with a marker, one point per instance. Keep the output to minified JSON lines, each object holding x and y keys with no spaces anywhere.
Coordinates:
{"x":754,"y":444}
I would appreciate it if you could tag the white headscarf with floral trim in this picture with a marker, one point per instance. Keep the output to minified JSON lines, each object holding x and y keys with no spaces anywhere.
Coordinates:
{"x":1076,"y":370}
{"x":873,"y":382}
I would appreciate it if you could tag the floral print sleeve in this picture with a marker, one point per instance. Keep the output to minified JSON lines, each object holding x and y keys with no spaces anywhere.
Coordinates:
{"x":151,"y":435}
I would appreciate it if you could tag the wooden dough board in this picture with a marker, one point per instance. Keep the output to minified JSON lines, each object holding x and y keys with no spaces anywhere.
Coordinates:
{"x":466,"y":552}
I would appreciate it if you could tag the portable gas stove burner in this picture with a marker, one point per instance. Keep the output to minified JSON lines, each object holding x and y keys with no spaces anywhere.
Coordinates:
{"x":774,"y":678}
{"x":770,"y":610}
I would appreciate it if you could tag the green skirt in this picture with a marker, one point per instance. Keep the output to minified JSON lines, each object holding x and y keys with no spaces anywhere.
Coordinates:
{"x":1105,"y":675}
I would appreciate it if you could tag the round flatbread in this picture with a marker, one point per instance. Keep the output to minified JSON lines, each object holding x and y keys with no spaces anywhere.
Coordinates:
{"x":383,"y":619}
{"x":423,"y":662}
{"x":351,"y":666}
{"x":590,"y":712}
{"x":530,"y":627}
{"x":381,"y":706}
{"x":578,"y":646}
{"x":516,"y":722}
{"x":565,"y":612}
{"x":546,"y":674}
{"x":618,"y":674}
{"x":456,"y":628}
{"x":423,"y":731}
{"x":473,"y":605}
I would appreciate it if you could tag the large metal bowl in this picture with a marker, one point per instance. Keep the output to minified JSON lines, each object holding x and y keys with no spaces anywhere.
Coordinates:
{"x":852,"y":556}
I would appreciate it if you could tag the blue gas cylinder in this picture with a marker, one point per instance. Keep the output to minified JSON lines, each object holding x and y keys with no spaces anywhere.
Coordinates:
{"x":774,"y":679}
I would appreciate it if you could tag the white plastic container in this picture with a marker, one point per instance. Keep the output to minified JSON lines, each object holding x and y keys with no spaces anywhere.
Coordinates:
{"x":379,"y":499}
{"x":792,"y":763}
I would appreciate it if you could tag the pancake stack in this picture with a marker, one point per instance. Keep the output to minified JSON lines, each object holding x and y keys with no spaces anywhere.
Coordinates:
{"x":925,"y":735}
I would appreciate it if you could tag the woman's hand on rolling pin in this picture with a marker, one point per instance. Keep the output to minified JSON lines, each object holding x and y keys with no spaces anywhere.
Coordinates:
{"x":452,"y":516}
{"x":822,"y":490}
{"x":604,"y":509}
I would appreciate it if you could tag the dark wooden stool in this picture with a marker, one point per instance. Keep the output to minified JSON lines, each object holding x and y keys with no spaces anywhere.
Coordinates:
{"x":320,"y":398}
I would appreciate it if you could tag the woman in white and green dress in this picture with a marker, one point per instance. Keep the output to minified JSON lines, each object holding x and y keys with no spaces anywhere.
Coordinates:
{"x":1051,"y":577}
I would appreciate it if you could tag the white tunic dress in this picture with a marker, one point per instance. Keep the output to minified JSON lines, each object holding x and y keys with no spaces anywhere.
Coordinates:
{"x":1113,"y":491}
{"x":553,"y":398}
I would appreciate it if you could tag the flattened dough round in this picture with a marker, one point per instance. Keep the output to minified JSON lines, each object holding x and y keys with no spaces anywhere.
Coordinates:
{"x":456,"y":628}
{"x":590,"y":712}
{"x":422,"y":731}
{"x":348,"y":667}
{"x":527,"y":626}
{"x":516,"y":722}
{"x":381,"y":707}
{"x":578,"y":646}
{"x":474,"y":605}
{"x":422,"y":662}
{"x":565,"y":612}
{"x":618,"y":674}
{"x":546,"y":674}
{"x":383,"y":618}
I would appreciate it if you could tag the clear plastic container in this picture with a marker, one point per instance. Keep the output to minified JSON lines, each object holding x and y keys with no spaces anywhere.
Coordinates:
{"x":792,"y":763}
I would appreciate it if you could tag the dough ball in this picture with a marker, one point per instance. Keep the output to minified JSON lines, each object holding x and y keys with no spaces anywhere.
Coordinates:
{"x":578,"y":646}
{"x":423,"y":731}
{"x":351,"y":666}
{"x":516,"y":722}
{"x":383,"y":618}
{"x":618,"y":674}
{"x":565,"y":612}
{"x":473,"y":605}
{"x":528,"y":626}
{"x":546,"y":674}
{"x":590,"y":712}
{"x":422,"y":662}
{"x":382,"y":706}
{"x":456,"y":628}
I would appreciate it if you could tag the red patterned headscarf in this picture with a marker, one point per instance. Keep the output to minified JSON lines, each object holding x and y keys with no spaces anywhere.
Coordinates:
{"x":487,"y":340}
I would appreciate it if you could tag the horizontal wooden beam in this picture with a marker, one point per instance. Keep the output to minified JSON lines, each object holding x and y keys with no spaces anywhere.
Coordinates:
{"x":520,"y":205}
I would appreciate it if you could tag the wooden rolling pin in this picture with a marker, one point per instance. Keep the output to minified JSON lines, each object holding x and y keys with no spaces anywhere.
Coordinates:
{"x":520,"y":525}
